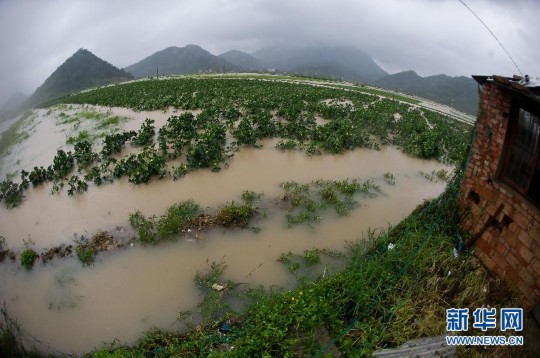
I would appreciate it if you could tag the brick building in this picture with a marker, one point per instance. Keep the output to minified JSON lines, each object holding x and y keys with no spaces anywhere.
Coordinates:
{"x":500,"y":192}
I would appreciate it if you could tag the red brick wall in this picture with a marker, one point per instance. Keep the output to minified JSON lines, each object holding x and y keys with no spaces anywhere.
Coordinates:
{"x":506,"y":226}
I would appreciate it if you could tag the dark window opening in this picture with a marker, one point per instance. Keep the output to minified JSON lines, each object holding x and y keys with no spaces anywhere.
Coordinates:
{"x":474,"y":197}
{"x":521,"y":165}
{"x":506,"y":221}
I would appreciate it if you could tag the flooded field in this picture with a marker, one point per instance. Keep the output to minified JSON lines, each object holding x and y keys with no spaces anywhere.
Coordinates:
{"x":127,"y":291}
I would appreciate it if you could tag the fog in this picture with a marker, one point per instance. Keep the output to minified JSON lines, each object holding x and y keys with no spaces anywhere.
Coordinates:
{"x":428,"y":36}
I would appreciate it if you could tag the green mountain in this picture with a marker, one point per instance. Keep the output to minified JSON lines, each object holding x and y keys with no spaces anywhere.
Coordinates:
{"x":81,"y":71}
{"x":457,"y":92}
{"x":346,"y":63}
{"x":180,"y":60}
{"x":243,"y":60}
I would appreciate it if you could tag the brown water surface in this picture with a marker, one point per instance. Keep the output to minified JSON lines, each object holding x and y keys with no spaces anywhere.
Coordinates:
{"x":75,"y":309}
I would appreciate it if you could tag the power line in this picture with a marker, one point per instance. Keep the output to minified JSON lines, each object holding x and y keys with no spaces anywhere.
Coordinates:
{"x":492,"y":34}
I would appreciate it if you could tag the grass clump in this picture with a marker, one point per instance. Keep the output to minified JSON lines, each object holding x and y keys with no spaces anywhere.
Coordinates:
{"x":88,"y":249}
{"x":82,"y":136}
{"x":390,"y":178}
{"x":250,"y":197}
{"x":15,"y":134}
{"x":236,"y":215}
{"x":306,"y":202}
{"x":176,"y":219}
{"x":146,"y":227}
{"x":12,"y":341}
{"x":145,"y":136}
{"x":86,"y":253}
{"x":213,"y":305}
{"x":28,"y":257}
{"x":76,"y":185}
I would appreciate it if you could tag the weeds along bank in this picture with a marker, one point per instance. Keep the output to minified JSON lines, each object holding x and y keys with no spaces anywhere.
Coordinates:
{"x":396,"y":286}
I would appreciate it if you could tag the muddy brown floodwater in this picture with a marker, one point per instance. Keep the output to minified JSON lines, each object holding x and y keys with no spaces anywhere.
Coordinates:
{"x":127,"y":291}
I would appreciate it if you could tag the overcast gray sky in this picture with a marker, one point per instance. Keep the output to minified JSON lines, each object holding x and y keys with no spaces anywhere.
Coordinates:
{"x":428,"y":36}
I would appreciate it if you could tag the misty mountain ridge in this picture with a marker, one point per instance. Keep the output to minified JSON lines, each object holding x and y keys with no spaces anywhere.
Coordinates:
{"x":458,"y":92}
{"x":338,"y":62}
{"x":180,"y":60}
{"x":243,"y":60}
{"x":13,"y":105}
{"x":84,"y":70}
{"x":81,"y":71}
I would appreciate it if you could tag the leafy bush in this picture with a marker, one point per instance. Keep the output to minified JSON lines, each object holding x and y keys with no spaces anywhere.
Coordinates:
{"x":145,"y":136}
{"x":208,"y":148}
{"x":146,"y":228}
{"x":113,"y":143}
{"x":180,"y":171}
{"x":76,"y":186}
{"x":249,"y":197}
{"x":94,"y":175}
{"x":83,"y":153}
{"x":11,"y":193}
{"x":176,"y":218}
{"x":28,"y":257}
{"x":235,"y":215}
{"x":63,"y":164}
{"x":311,"y":257}
{"x":38,"y":176}
{"x":86,"y":253}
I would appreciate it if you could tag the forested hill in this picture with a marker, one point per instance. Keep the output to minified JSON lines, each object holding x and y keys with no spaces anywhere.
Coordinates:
{"x":457,"y":92}
{"x":82,"y":70}
{"x":180,"y":60}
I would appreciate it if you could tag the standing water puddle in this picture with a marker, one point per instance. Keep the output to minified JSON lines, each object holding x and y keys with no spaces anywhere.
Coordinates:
{"x":75,"y":309}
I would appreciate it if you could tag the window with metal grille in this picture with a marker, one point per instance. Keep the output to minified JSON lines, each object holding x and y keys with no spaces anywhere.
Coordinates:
{"x":521,"y":165}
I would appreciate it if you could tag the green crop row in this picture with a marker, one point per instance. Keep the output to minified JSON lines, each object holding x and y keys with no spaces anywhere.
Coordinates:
{"x":247,"y":111}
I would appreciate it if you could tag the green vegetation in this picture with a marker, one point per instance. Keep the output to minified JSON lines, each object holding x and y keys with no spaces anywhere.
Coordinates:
{"x":381,"y":298}
{"x":235,"y":215}
{"x":85,"y":252}
{"x":13,"y":343}
{"x":390,"y":178}
{"x":28,"y":257}
{"x":97,"y":124}
{"x":213,"y":305}
{"x":82,"y":136}
{"x":250,"y":197}
{"x":15,"y":134}
{"x":11,"y":193}
{"x":184,"y":216}
{"x":145,"y":136}
{"x":88,"y":249}
{"x":441,"y":174}
{"x":306,"y":202}
{"x":76,"y":186}
{"x":296,"y":104}
{"x":245,"y":110}
{"x":383,"y":93}
{"x":5,"y":252}
{"x":173,"y":222}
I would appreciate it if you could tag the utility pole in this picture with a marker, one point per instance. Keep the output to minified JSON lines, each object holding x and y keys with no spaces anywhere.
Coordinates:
{"x":157,"y":72}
